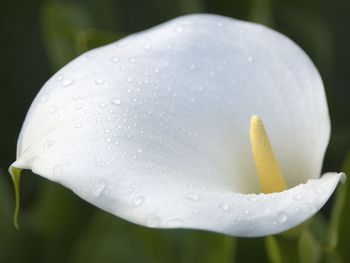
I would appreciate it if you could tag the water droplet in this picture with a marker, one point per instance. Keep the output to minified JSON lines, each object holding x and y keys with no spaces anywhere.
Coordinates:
{"x":147,"y":47}
{"x":282,"y":217}
{"x":224,"y":207}
{"x":179,"y":29}
{"x":297,"y":197}
{"x":192,"y":66}
{"x":44,"y":98}
{"x":175,"y":222}
{"x":99,"y":81}
{"x":319,"y":190}
{"x":138,"y":200}
{"x":78,"y":106}
{"x":57,"y":170}
{"x":313,"y":208}
{"x":48,"y":144}
{"x":67,"y":82}
{"x":115,"y":59}
{"x":153,"y":221}
{"x":192,"y":197}
{"x":252,"y":198}
{"x":102,"y":105}
{"x":78,"y":125}
{"x":115,"y":101}
{"x":53,"y":108}
{"x":250,"y":59}
{"x":98,"y":187}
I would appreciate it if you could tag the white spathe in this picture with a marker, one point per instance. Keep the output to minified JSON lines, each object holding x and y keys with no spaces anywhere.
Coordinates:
{"x":155,"y":127}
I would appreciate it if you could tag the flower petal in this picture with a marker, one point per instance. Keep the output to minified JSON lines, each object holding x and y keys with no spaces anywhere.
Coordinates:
{"x":146,"y":125}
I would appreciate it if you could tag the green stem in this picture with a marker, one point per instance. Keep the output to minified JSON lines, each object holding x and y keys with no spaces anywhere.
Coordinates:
{"x":229,"y":249}
{"x":16,"y":179}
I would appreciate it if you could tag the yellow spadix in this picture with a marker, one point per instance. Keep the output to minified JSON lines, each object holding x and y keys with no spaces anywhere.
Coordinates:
{"x":267,"y":167}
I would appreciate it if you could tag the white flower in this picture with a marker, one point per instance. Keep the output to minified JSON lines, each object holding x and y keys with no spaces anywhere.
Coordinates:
{"x":155,"y":128}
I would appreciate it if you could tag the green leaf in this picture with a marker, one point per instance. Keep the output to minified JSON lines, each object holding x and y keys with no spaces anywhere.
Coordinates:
{"x":309,"y":30}
{"x":309,"y":248}
{"x":58,"y":218}
{"x":109,"y":239}
{"x":319,"y":228}
{"x":261,"y":12}
{"x":60,"y":24}
{"x":282,"y":249}
{"x":245,"y":246}
{"x":191,"y":6}
{"x":273,"y":250}
{"x":68,"y":31}
{"x":339,"y":231}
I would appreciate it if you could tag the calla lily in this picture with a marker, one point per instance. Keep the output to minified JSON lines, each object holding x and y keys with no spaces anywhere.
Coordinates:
{"x":202,"y":122}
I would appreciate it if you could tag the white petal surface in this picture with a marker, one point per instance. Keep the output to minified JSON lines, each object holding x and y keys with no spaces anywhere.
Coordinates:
{"x":155,"y":128}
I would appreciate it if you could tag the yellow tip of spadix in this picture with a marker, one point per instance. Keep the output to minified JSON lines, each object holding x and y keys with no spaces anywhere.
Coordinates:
{"x":268,"y":170}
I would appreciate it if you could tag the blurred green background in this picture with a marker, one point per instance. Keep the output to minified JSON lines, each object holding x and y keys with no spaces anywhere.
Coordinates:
{"x":38,"y":37}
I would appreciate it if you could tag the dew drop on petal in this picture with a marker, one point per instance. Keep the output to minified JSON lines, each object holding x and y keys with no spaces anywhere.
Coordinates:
{"x":153,"y":220}
{"x":99,"y":81}
{"x":252,"y":198}
{"x":115,"y":101}
{"x":66,"y":82}
{"x":48,"y":144}
{"x":179,"y":29}
{"x":44,"y":98}
{"x":312,"y":208}
{"x":175,"y":222}
{"x":192,"y":197}
{"x":224,"y":207}
{"x":147,"y":47}
{"x":57,"y":170}
{"x":115,"y":59}
{"x":282,"y":217}
{"x":98,"y":188}
{"x":297,"y":197}
{"x":53,"y":108}
{"x":78,"y":125}
{"x":138,"y":200}
{"x":78,"y":106}
{"x":319,"y":190}
{"x":195,"y":211}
